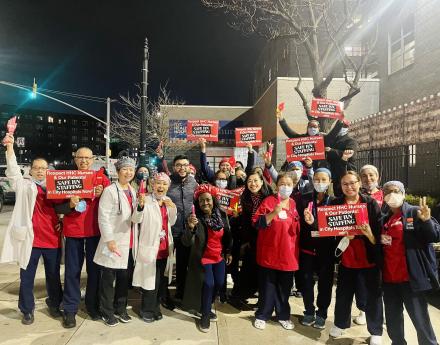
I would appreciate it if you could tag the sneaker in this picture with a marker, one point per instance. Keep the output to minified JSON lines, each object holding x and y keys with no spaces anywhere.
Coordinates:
{"x":110,"y":321}
{"x":212,"y":316}
{"x":204,"y":324}
{"x":287,"y":324}
{"x":158,"y":316}
{"x":319,"y":322}
{"x":28,"y":319}
{"x":69,"y":320}
{"x":94,"y":315}
{"x":123,"y":317}
{"x":335,"y":331}
{"x":360,"y":319}
{"x":259,"y":324}
{"x":147,"y":317}
{"x":376,"y":340}
{"x":308,"y":320}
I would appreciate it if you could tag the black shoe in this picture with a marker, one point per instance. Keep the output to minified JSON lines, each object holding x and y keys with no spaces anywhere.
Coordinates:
{"x":147,"y":317}
{"x":69,"y":320}
{"x":110,"y":321}
{"x":94,"y":315}
{"x":168,"y":304}
{"x":212,"y":316}
{"x":158,"y":316}
{"x":28,"y":319}
{"x":204,"y":324}
{"x":123,"y":317}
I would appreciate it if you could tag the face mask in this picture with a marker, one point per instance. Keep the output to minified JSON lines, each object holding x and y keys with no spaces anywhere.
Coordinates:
{"x":371,"y":186}
{"x":142,"y":176}
{"x":221,"y":183}
{"x":320,"y":187}
{"x":285,"y":192}
{"x":312,"y":131}
{"x":394,"y":200}
{"x":342,"y":246}
{"x":297,"y":173}
{"x":41,"y":183}
{"x":343,"y":131}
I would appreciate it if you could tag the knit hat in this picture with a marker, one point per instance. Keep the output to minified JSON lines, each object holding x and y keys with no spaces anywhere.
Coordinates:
{"x":295,"y":164}
{"x":205,"y":188}
{"x":162,"y":177}
{"x":230,"y":160}
{"x":397,"y":184}
{"x":124,"y":162}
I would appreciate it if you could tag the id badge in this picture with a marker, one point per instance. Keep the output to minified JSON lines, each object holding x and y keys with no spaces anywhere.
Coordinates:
{"x":282,"y":215}
{"x":386,"y":240}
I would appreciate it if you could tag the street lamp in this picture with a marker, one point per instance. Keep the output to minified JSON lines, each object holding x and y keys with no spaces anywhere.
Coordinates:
{"x":106,"y":123}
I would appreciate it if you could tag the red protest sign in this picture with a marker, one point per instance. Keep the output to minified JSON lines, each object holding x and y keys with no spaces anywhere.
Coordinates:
{"x":327,"y":108}
{"x":341,"y":220}
{"x":230,"y":199}
{"x":246,"y":135}
{"x":197,"y":129}
{"x":62,"y":184}
{"x":299,"y":148}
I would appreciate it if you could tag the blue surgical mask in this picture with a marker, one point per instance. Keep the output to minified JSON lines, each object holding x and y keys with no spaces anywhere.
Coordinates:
{"x":285,"y":191}
{"x":320,"y":187}
{"x":312,"y":131}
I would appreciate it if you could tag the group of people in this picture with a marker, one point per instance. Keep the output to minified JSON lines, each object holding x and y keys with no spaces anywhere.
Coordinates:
{"x":134,"y":229}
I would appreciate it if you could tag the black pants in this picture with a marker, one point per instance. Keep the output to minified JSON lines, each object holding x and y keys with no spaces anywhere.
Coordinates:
{"x":76,"y":250}
{"x":273,"y":293}
{"x":130,"y":268}
{"x":182,"y":258}
{"x":324,"y":269}
{"x":248,"y":277}
{"x":113,"y":291}
{"x":51,"y":258}
{"x":345,"y":290}
{"x":360,"y":293}
{"x":150,"y":305}
{"x":395,"y":296}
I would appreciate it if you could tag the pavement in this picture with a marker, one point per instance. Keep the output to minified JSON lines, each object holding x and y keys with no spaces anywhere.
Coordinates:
{"x":234,"y":327}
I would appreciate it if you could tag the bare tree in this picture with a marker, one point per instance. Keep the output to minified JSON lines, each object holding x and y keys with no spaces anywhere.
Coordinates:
{"x":126,"y":122}
{"x":320,"y":27}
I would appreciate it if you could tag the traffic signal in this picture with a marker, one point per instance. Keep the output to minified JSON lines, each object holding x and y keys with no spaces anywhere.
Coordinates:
{"x":34,"y":89}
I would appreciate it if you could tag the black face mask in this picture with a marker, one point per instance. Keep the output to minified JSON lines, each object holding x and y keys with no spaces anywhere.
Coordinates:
{"x":142,"y":176}
{"x":240,"y":182}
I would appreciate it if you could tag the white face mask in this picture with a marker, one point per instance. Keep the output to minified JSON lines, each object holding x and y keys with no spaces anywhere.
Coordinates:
{"x":394,"y":200}
{"x":312,"y":131}
{"x":285,"y":191}
{"x":320,"y":187}
{"x":297,"y":173}
{"x":221,"y":183}
{"x":343,"y":131}
{"x":370,"y":187}
{"x":342,"y":246}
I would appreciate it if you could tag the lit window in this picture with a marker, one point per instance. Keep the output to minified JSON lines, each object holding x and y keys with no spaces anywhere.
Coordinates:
{"x":270,"y":74}
{"x":401,"y":46}
{"x":412,"y":155}
{"x":50,"y":119}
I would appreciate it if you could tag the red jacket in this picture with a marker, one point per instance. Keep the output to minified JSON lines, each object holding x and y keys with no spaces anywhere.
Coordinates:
{"x":277,"y":242}
{"x":85,"y":224}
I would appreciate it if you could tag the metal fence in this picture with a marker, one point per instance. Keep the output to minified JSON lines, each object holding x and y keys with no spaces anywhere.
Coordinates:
{"x":417,"y":166}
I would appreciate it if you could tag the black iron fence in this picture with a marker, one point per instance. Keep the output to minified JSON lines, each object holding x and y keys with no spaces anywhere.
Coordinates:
{"x":417,"y":166}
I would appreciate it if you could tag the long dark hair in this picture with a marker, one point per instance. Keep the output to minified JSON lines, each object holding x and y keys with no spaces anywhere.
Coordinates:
{"x":265,"y":190}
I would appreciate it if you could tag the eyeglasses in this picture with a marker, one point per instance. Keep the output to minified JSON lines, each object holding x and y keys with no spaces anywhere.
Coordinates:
{"x":178,"y":166}
{"x":349,"y":184}
{"x":84,"y":158}
{"x":39,"y":168}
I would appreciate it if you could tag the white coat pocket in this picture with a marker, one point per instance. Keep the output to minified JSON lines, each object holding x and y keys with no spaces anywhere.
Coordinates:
{"x":146,"y":254}
{"x":19,"y":233}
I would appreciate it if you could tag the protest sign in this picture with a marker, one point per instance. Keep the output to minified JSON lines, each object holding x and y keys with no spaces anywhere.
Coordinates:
{"x":327,"y":108}
{"x":230,"y":199}
{"x":341,"y":220}
{"x":299,"y":148}
{"x":197,"y":129}
{"x":62,"y":184}
{"x":246,"y":135}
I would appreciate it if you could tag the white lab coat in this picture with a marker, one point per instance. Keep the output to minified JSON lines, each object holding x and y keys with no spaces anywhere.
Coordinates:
{"x":19,"y":237}
{"x":114,"y":218}
{"x":144,"y":274}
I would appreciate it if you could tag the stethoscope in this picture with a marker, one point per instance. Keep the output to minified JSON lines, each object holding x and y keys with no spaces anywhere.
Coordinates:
{"x":119,"y":198}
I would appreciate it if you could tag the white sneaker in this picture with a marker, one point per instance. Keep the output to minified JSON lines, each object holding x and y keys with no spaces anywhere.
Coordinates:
{"x":287,"y":324}
{"x":376,"y":340}
{"x":336,"y":331}
{"x":259,"y":324}
{"x":360,"y":319}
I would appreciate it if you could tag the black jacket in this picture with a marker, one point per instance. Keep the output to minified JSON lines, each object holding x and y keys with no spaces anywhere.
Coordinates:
{"x":418,"y":237}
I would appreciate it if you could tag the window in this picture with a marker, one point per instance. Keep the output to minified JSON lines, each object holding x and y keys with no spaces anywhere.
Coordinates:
{"x":84,"y":139}
{"x":40,"y":118}
{"x":270,"y":74}
{"x":84,"y":123}
{"x":74,"y":138}
{"x":74,"y":130}
{"x":50,"y":119}
{"x":60,"y":121}
{"x":401,"y":46}
{"x":74,"y":122}
{"x":354,"y":50}
{"x":412,"y":155}
{"x":85,"y":131}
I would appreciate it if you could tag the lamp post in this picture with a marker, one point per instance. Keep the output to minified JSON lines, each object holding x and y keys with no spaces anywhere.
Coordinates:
{"x":144,"y":107}
{"x":106,"y":123}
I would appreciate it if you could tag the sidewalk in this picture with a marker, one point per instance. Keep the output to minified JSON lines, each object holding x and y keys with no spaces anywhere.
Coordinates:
{"x":177,"y":327}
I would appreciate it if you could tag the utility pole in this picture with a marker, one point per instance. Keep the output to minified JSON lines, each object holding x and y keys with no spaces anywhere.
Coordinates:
{"x":144,"y":107}
{"x":107,"y":136}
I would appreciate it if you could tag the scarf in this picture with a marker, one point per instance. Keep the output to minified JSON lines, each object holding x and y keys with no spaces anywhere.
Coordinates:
{"x":214,"y":221}
{"x":256,"y":201}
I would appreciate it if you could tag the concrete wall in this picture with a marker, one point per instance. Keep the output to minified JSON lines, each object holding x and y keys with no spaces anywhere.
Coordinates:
{"x":420,"y":78}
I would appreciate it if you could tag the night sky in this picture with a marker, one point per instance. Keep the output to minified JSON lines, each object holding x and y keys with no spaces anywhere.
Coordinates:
{"x":95,"y":47}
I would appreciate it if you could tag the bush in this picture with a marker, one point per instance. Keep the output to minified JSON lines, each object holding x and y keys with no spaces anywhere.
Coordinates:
{"x":415,"y":200}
